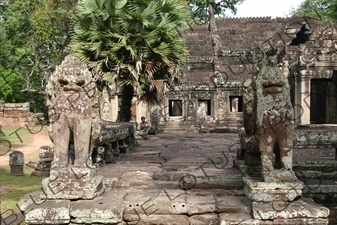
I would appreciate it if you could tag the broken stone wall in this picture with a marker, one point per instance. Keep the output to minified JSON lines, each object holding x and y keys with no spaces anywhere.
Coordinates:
{"x":14,"y":114}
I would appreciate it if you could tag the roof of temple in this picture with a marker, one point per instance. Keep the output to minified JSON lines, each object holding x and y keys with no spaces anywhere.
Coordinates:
{"x":232,"y":36}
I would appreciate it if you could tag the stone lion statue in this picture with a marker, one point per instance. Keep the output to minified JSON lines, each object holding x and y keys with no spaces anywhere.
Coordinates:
{"x":268,"y":139}
{"x":73,"y":113}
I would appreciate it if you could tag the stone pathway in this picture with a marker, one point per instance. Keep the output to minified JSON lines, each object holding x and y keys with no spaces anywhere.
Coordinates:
{"x":184,"y":178}
{"x":171,"y":178}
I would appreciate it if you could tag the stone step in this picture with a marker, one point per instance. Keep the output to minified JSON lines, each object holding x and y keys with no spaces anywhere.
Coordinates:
{"x":140,"y":206}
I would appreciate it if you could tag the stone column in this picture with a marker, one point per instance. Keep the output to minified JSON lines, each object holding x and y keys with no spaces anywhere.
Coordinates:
{"x":114,"y":108}
{"x":222,"y":105}
{"x":297,"y":100}
{"x":305,"y":85}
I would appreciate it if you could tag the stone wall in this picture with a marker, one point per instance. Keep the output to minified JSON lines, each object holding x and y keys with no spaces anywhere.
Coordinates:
{"x":14,"y":114}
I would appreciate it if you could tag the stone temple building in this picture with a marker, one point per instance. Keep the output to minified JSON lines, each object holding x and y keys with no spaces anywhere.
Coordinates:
{"x":223,"y":54}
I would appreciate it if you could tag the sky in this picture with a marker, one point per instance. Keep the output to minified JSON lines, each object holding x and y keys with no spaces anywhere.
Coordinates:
{"x":262,"y":8}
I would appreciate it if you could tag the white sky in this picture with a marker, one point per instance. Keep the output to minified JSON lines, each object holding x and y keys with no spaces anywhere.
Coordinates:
{"x":262,"y":8}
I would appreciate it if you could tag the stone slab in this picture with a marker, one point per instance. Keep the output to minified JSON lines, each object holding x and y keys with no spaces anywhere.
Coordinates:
{"x":106,"y":209}
{"x":155,"y":202}
{"x":157,"y":219}
{"x":301,"y":208}
{"x":232,"y":204}
{"x":134,"y":178}
{"x":73,"y":188}
{"x":49,"y":212}
{"x":259,"y":191}
{"x":304,"y":221}
{"x":205,"y":219}
{"x":238,"y":219}
{"x":200,"y":204}
{"x":28,"y":201}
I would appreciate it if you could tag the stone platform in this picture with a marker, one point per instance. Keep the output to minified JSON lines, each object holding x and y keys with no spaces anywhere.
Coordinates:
{"x":184,"y":178}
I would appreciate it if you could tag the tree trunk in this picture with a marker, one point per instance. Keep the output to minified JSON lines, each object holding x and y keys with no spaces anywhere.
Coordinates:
{"x":124,"y":113}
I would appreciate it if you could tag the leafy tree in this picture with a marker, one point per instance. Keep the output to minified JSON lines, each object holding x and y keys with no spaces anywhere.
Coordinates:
{"x":35,"y":35}
{"x":136,"y":41}
{"x":200,"y":9}
{"x":325,"y":10}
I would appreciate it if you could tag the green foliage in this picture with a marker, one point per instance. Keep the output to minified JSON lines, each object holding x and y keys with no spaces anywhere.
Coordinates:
{"x":326,"y":10}
{"x":200,"y":9}
{"x":9,"y":85}
{"x":132,"y":39}
{"x":34,"y":39}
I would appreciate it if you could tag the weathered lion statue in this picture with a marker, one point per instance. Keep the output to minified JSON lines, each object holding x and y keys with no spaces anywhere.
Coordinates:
{"x":268,"y":137}
{"x":73,"y":113}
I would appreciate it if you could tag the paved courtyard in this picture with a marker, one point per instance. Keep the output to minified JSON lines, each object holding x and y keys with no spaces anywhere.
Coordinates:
{"x":183,"y":178}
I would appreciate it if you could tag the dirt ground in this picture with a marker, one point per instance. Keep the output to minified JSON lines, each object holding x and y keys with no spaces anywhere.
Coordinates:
{"x":39,"y":140}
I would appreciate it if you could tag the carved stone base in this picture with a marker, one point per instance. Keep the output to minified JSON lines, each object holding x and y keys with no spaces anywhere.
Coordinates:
{"x":73,"y":183}
{"x":303,"y":208}
{"x":259,"y":191}
{"x":280,"y":175}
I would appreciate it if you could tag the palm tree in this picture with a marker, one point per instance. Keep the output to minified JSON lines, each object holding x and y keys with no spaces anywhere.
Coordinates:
{"x":135,"y":41}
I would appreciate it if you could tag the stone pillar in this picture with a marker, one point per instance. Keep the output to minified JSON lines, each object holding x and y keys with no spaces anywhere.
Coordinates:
{"x":222,"y":105}
{"x":297,"y":100}
{"x":142,"y":110}
{"x":114,"y":108}
{"x":16,"y":162}
{"x":305,"y":85}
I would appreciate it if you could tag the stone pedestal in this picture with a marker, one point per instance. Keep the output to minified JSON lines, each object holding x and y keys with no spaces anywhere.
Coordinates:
{"x":281,"y":202}
{"x":16,"y":162}
{"x":259,"y":191}
{"x":73,"y":183}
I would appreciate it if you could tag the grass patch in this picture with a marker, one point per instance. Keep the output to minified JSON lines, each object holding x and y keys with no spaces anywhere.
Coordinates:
{"x":13,"y":187}
{"x":15,"y":137}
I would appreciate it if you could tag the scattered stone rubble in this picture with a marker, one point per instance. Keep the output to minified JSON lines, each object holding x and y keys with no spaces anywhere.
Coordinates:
{"x":42,"y":168}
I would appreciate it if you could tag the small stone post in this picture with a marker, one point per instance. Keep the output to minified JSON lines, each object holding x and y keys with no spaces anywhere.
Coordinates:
{"x":16,"y":162}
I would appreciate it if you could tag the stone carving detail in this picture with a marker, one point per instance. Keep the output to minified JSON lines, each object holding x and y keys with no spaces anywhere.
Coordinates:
{"x":328,"y":51}
{"x":105,"y":105}
{"x":268,"y":120}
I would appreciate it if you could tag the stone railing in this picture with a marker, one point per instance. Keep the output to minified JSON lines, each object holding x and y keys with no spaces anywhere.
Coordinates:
{"x":316,"y":136}
{"x":311,"y":136}
{"x":114,"y":138}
